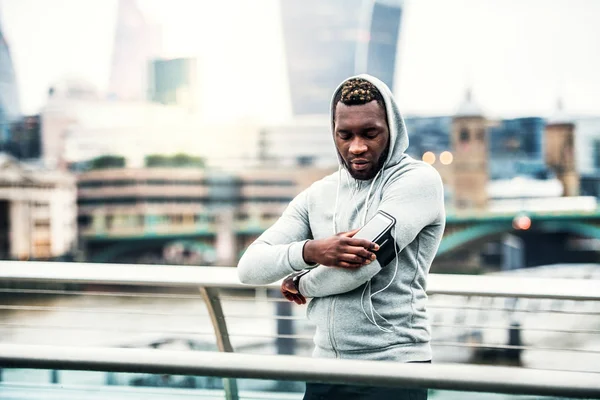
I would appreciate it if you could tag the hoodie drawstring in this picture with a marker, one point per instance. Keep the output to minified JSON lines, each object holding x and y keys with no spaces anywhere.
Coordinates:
{"x":368,"y":285}
{"x":337,"y":196}
{"x":373,"y":311}
{"x":398,"y":144}
{"x":367,"y":204}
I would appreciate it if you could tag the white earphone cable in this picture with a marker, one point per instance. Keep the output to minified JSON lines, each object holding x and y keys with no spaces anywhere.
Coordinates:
{"x":337,"y":196}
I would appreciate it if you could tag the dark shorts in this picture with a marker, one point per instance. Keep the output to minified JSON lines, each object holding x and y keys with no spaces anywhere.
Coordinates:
{"x":324,"y":391}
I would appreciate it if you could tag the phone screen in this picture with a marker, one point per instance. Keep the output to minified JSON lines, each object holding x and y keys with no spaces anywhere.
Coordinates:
{"x":374,"y":228}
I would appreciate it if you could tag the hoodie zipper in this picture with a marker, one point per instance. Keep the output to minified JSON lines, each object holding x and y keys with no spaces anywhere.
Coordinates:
{"x":357,"y":185}
{"x":331,"y":320}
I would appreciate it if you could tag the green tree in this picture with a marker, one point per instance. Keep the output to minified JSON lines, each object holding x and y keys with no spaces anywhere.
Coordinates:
{"x":186,"y":160}
{"x":155,"y":160}
{"x":177,"y":160}
{"x":107,"y":161}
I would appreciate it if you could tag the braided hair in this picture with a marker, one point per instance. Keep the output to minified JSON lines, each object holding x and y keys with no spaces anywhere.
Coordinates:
{"x":358,"y":91}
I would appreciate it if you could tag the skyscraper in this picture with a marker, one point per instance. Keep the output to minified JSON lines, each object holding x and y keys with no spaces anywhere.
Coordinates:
{"x":173,"y":82}
{"x":136,"y":43}
{"x":326,"y":42}
{"x":25,"y":142}
{"x":9,"y":97}
{"x":380,"y":48}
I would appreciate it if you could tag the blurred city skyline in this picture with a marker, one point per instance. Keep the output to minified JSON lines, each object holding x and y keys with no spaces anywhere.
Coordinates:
{"x":518,"y":57}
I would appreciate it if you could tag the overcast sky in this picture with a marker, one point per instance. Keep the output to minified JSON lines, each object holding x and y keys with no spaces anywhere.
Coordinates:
{"x":518,"y":55}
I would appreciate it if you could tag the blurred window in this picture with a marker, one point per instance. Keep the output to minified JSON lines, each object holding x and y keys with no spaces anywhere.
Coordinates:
{"x":596,"y":154}
{"x":262,"y":182}
{"x":268,"y":199}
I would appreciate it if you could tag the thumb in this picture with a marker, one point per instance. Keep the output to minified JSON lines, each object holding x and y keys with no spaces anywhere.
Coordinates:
{"x":350,"y":233}
{"x":288,"y":286}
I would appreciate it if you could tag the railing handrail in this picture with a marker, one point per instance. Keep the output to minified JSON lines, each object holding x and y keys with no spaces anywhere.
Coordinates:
{"x":200,"y":363}
{"x":226,"y":277}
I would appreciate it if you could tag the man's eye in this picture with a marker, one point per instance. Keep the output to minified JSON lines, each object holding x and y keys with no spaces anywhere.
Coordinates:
{"x":343,"y":136}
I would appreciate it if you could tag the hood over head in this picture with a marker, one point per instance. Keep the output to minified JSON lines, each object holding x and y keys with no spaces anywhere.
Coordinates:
{"x":396,"y":126}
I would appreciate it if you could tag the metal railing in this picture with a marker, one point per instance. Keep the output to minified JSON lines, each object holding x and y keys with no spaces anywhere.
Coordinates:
{"x":474,"y":315}
{"x":226,"y":278}
{"x":372,"y":373}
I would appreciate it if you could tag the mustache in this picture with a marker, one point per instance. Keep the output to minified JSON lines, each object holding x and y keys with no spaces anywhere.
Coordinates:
{"x":360,"y":159}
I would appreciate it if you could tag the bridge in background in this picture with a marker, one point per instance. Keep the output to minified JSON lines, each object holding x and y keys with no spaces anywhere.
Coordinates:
{"x":463,"y":231}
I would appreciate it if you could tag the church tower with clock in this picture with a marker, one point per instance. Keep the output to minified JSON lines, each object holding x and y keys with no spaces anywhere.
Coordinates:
{"x":470,"y":148}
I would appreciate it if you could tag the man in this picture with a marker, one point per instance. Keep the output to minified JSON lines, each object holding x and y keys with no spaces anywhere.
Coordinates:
{"x":361,"y":309}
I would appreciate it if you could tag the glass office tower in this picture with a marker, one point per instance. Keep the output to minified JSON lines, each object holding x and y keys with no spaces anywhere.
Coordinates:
{"x":9,"y":96}
{"x":328,"y":41}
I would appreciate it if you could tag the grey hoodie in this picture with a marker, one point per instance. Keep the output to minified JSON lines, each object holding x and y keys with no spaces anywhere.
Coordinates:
{"x":374,"y":312}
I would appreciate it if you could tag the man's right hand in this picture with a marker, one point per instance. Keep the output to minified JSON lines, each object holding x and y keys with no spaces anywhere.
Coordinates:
{"x":341,"y":250}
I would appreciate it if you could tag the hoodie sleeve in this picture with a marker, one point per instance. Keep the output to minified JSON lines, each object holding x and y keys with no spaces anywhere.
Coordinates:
{"x":416,"y":200}
{"x":278,"y":251}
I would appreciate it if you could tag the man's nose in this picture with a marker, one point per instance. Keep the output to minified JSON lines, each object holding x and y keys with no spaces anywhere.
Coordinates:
{"x":358,"y":146}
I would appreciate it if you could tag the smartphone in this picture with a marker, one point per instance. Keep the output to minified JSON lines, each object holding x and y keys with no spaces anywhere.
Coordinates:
{"x":378,"y":230}
{"x":377,"y":227}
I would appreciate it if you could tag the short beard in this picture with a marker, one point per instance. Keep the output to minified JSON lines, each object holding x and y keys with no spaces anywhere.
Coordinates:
{"x":380,"y":165}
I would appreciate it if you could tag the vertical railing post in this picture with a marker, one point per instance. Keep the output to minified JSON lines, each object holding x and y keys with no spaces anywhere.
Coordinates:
{"x":54,"y":376}
{"x":285,"y":342}
{"x":213,"y":304}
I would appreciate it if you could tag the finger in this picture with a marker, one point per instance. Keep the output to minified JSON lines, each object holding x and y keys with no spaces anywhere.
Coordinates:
{"x":345,"y":264}
{"x":302,"y":298}
{"x":289,"y":296}
{"x":294,"y":298}
{"x":353,"y":259}
{"x":289,"y":286}
{"x":360,"y":251}
{"x":364,"y":243}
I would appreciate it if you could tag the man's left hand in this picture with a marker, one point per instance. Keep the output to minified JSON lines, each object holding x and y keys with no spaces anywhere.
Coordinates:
{"x":289,"y":291}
